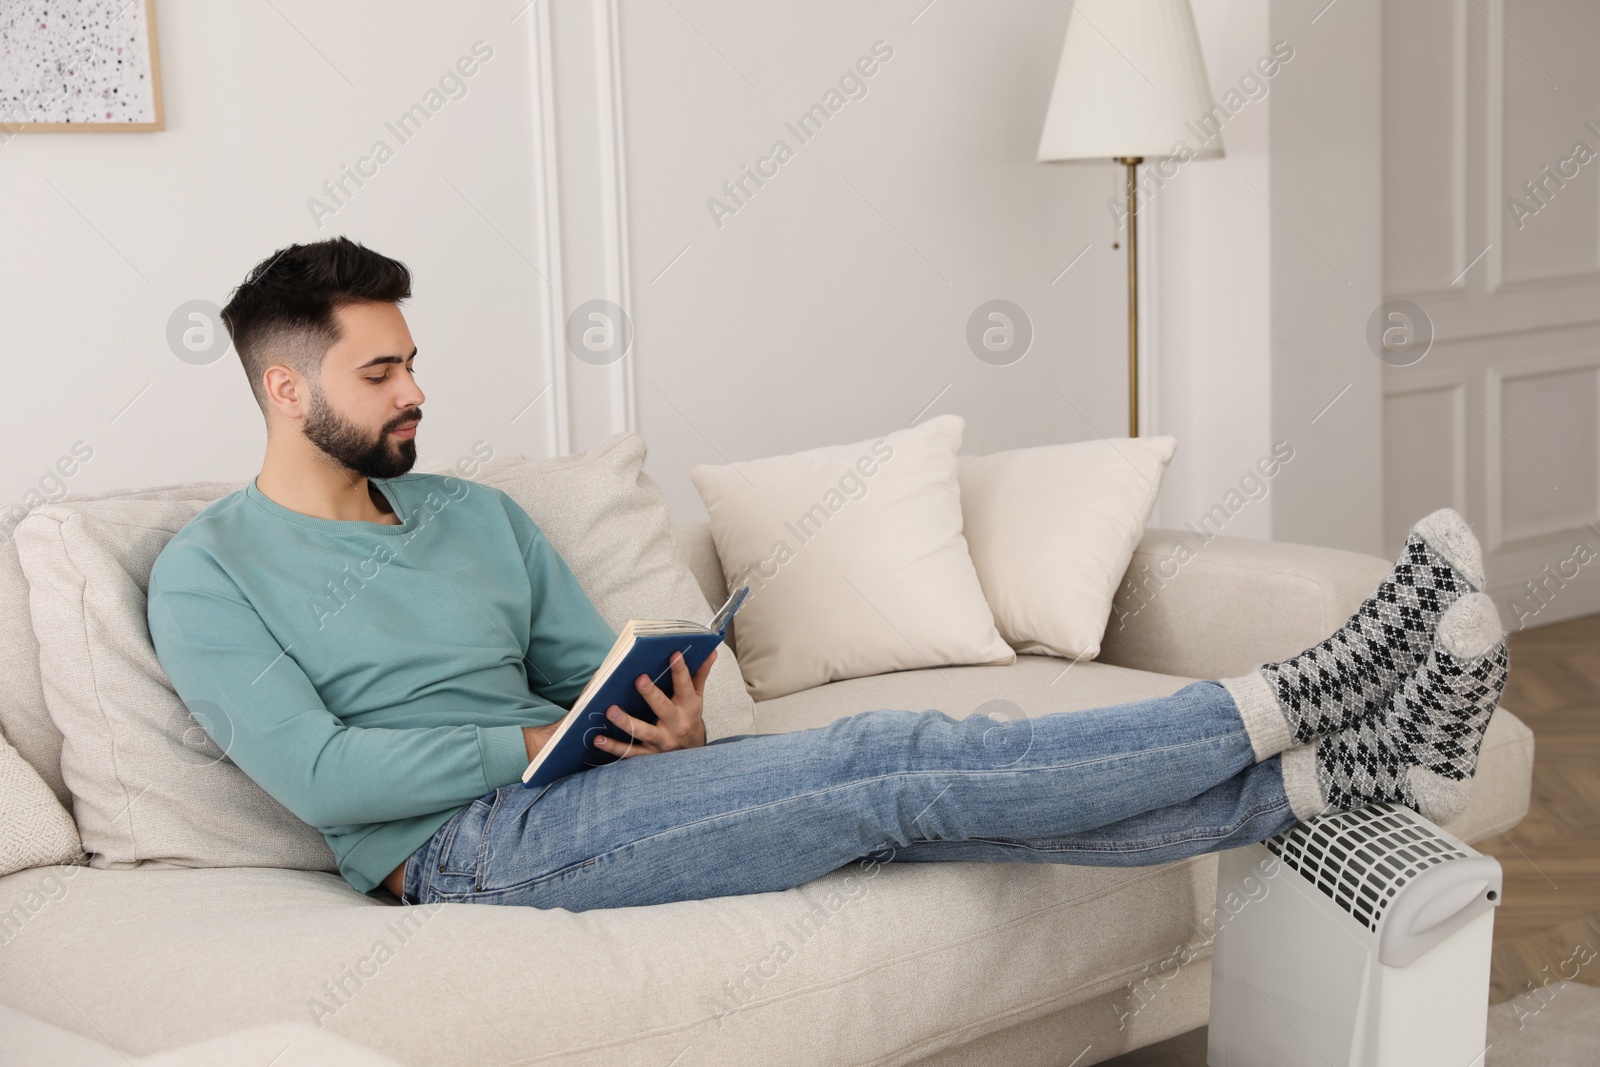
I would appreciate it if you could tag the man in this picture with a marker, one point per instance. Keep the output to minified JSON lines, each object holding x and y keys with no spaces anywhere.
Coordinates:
{"x":390,"y":649}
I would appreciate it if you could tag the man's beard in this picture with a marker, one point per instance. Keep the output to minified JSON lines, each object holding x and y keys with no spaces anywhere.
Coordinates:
{"x":349,"y":446}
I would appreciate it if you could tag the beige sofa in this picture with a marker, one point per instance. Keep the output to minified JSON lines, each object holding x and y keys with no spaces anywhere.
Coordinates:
{"x":949,"y":964}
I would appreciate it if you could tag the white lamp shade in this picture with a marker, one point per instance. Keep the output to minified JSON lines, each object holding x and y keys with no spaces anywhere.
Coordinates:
{"x":1131,"y":77}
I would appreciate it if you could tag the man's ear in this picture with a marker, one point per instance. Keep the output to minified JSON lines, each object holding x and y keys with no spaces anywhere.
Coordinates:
{"x":286,"y":391}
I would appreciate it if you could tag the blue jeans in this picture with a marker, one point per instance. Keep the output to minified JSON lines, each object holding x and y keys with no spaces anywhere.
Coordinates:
{"x":1129,"y":785}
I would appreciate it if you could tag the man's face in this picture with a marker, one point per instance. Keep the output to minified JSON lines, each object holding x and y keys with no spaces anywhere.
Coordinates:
{"x":366,"y":392}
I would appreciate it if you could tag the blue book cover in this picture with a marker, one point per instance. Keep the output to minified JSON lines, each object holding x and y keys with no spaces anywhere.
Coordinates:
{"x":645,"y":646}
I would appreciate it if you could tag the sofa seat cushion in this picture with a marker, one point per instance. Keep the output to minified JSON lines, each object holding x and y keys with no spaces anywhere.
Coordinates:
{"x":861,"y":965}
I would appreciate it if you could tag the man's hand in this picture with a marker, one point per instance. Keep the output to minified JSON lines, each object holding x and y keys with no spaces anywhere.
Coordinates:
{"x":678,"y":717}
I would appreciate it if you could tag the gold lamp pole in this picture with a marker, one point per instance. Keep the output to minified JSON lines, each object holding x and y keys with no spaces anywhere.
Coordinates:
{"x":1132,"y":163}
{"x":1105,"y":104}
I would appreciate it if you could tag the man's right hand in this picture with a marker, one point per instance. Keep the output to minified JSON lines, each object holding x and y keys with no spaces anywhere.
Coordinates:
{"x":535,"y":737}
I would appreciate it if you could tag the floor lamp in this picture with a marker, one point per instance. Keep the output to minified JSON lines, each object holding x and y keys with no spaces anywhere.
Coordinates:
{"x":1131,"y":87}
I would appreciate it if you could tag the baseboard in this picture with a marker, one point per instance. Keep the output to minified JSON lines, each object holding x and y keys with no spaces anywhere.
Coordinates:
{"x":1521,"y":609}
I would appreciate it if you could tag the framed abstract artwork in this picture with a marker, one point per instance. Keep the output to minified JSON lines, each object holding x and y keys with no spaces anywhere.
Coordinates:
{"x":79,"y":65}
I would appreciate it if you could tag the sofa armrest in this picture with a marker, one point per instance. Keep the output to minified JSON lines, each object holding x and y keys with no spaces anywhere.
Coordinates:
{"x":1223,"y":607}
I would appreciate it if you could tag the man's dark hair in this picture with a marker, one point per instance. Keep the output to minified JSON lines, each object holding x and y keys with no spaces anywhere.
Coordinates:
{"x":283,"y":310}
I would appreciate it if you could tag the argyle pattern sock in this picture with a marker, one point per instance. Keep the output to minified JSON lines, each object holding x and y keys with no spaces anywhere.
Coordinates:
{"x":1439,"y":715}
{"x":1422,"y":749}
{"x":1353,"y":673}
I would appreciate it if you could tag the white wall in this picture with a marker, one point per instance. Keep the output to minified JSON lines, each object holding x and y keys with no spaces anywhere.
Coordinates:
{"x":831,"y":307}
{"x":106,"y":234}
{"x":1268,"y":265}
{"x":1210,"y":328}
{"x":1327,"y":273}
{"x":832,"y":304}
{"x":1501,"y":419}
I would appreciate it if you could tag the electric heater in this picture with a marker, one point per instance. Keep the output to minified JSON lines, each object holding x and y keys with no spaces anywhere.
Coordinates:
{"x":1357,"y":940}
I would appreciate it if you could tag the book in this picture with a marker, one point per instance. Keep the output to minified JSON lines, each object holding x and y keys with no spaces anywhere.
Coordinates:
{"x":645,"y":646}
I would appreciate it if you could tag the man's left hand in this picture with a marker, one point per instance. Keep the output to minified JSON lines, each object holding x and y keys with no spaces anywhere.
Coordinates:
{"x":678,"y":718}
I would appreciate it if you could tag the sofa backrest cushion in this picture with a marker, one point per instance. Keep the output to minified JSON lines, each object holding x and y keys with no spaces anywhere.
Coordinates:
{"x":699,"y":553}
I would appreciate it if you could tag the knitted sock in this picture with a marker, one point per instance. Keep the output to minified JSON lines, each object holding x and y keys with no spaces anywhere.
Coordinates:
{"x":1352,"y":673}
{"x":1422,"y":750}
{"x":1439,"y":715}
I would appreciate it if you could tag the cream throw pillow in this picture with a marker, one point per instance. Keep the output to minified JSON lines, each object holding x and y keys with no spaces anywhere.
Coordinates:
{"x":35,"y":830}
{"x":855,"y":558}
{"x":1052,"y":530}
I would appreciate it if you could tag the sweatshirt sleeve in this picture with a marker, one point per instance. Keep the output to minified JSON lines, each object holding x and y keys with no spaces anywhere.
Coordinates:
{"x":250,"y":695}
{"x":567,"y":638}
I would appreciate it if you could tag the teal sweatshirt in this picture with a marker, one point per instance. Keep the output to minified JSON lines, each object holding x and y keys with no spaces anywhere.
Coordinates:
{"x":374,"y":679}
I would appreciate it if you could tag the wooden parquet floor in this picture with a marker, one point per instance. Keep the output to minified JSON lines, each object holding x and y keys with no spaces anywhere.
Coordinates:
{"x":1548,"y":925}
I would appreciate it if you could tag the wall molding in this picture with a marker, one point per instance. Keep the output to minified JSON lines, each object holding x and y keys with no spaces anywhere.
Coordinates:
{"x":1461,"y":56}
{"x":1580,"y":597}
{"x":618,"y":270}
{"x":1515,"y":310}
{"x":547,"y":204}
{"x":1494,"y":147}
{"x":1494,"y":178}
{"x":1495,"y":377}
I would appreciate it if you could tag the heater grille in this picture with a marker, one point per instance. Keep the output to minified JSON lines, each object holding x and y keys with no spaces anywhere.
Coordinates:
{"x":1361,"y":859}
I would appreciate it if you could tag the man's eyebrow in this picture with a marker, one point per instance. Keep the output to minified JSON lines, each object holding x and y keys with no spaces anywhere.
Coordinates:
{"x":376,"y":360}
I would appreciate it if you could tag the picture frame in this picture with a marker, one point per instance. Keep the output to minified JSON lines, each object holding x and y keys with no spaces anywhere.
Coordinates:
{"x":87,"y":67}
